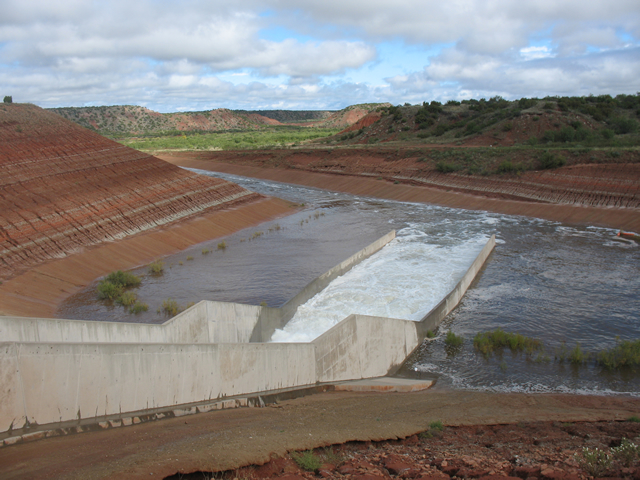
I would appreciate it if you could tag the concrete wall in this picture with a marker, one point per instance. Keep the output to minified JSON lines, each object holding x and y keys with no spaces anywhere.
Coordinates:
{"x":54,"y":371}
{"x":205,"y":322}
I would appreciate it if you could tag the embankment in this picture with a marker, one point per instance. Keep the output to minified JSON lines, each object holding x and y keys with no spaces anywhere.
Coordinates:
{"x":585,"y":195}
{"x":39,"y":291}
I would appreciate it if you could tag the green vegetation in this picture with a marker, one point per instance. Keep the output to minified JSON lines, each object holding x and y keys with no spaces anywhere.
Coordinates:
{"x":308,"y":460}
{"x":280,"y":136}
{"x":113,"y":285}
{"x":625,"y":354}
{"x":169,"y":307}
{"x":430,"y":334}
{"x":8,"y":99}
{"x":138,"y":307}
{"x":108,"y":291}
{"x":156,"y":268}
{"x":634,"y":419}
{"x":127,"y":299}
{"x":595,"y":462}
{"x":123,"y":279}
{"x":222,"y":245}
{"x":489,"y":343}
{"x":626,"y":453}
{"x":453,"y":340}
{"x":435,"y":429}
{"x":206,"y":251}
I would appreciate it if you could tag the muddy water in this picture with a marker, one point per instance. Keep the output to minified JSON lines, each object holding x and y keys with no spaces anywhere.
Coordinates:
{"x":560,"y":284}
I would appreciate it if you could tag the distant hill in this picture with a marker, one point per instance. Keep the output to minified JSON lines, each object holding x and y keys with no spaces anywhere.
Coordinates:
{"x":133,"y":120}
{"x":63,"y":188}
{"x":528,"y":121}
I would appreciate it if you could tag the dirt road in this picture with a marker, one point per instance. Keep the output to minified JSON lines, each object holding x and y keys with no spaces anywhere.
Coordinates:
{"x":229,"y":439}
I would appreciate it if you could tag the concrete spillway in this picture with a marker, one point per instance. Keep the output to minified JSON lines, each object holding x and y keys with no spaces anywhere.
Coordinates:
{"x":65,"y":372}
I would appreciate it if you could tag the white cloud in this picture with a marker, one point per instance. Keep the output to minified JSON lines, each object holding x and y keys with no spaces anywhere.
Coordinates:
{"x":169,"y":54}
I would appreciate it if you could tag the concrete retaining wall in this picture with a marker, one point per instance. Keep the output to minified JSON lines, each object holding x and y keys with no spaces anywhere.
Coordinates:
{"x":54,"y":371}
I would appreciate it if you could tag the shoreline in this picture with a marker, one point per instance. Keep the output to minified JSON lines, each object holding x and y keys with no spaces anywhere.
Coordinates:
{"x":616,"y":218}
{"x":56,"y":280}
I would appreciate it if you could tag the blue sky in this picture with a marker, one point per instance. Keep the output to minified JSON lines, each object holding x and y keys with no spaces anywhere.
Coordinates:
{"x":280,"y":54}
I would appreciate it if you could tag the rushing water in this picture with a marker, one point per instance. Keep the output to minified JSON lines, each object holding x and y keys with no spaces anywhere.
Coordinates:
{"x":547,"y":280}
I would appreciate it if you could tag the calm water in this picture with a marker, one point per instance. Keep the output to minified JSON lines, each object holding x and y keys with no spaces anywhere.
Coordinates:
{"x":546,"y":280}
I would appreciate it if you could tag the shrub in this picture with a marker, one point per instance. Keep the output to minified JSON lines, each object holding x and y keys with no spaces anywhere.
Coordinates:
{"x":430,"y":334}
{"x":126,"y":299}
{"x":624,"y":354}
{"x":624,"y":125}
{"x":488,"y":343}
{"x":138,"y":307}
{"x":626,"y":453}
{"x":549,"y":161}
{"x":607,"y":133}
{"x":595,"y":462}
{"x":8,"y":99}
{"x":123,"y":279}
{"x":444,"y":167}
{"x":506,"y":167}
{"x":170,"y":307}
{"x":308,"y":460}
{"x":108,"y":291}
{"x":156,"y":268}
{"x":453,"y":340}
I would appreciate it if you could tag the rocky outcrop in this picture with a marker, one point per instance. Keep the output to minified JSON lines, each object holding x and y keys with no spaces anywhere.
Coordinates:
{"x":63,"y":188}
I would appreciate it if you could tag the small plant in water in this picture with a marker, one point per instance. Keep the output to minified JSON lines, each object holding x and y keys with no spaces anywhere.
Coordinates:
{"x":124,"y":279}
{"x":222,"y":245}
{"x":453,"y":340}
{"x":189,"y":257}
{"x":108,"y":291}
{"x":308,"y":460}
{"x":156,"y":268}
{"x":595,"y":462}
{"x":138,"y":307}
{"x":127,"y":299}
{"x":169,"y":307}
{"x":205,"y":251}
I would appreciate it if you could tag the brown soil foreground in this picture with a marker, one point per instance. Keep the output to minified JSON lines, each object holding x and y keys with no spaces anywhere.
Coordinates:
{"x":229,"y":439}
{"x":481,"y":198}
{"x":38,"y":292}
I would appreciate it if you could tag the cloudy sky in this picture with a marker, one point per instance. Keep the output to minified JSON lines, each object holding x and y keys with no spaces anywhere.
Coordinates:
{"x":175,"y":55}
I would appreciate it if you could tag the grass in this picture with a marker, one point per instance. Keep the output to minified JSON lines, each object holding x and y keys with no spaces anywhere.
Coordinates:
{"x":246,"y":140}
{"x":497,"y":340}
{"x":138,"y":307}
{"x":624,"y":355}
{"x":127,"y":299}
{"x":308,"y":460}
{"x":453,"y":340}
{"x":595,"y":462}
{"x":156,"y":268}
{"x":123,"y":279}
{"x":430,"y":334}
{"x":435,"y":429}
{"x":169,"y":307}
{"x":108,"y":291}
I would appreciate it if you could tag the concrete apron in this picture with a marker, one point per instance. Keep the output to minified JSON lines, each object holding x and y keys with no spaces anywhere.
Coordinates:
{"x":210,"y":357}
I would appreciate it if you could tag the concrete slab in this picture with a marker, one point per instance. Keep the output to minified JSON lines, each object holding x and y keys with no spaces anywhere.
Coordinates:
{"x":384,"y":384}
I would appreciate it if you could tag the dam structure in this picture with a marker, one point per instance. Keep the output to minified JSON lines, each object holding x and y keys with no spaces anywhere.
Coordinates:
{"x":63,"y":376}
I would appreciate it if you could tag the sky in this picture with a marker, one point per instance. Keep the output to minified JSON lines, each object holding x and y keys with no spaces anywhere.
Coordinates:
{"x":192,"y":55}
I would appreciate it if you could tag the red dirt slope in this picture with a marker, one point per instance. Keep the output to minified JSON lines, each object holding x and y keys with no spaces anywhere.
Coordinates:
{"x":63,"y":188}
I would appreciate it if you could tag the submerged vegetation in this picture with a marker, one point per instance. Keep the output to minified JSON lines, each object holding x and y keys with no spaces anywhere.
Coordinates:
{"x":494,"y":341}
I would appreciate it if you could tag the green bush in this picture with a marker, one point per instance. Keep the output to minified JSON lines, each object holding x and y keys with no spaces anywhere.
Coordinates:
{"x":624,"y":125}
{"x":156,"y":268}
{"x":308,"y":460}
{"x":8,"y":99}
{"x":170,"y":307}
{"x":549,"y":161}
{"x":123,"y":279}
{"x":488,"y":343}
{"x":444,"y":167}
{"x":506,"y":167}
{"x":138,"y":307}
{"x":595,"y":462}
{"x":624,"y":354}
{"x":453,"y":340}
{"x":108,"y":291}
{"x":127,"y":299}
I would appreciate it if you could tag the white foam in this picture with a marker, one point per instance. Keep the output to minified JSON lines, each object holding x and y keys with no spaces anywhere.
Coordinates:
{"x":405,"y":280}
